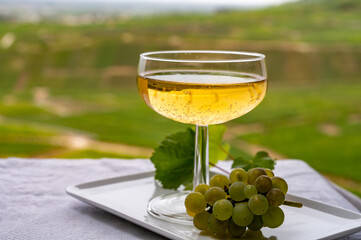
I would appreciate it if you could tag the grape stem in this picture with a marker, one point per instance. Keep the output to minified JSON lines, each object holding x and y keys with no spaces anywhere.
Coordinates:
{"x":293,"y":204}
{"x":219,"y":168}
{"x":226,"y":152}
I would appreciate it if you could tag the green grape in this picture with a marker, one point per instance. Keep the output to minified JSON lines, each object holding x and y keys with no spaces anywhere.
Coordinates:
{"x":223,"y":209}
{"x":200,"y":220}
{"x":220,"y":181}
{"x":258,"y":204}
{"x":245,"y":203}
{"x":195,"y":202}
{"x":238,"y":175}
{"x":254,"y":235}
{"x":236,"y":191}
{"x":275,"y":197}
{"x":274,"y":217}
{"x":249,"y":191}
{"x":202,"y":188}
{"x":263,"y":184}
{"x":280,"y":183}
{"x":242,"y":215}
{"x":217,"y":226}
{"x":254,"y":173}
{"x":256,"y":224}
{"x":214,"y":194}
{"x":269,"y":172}
{"x":192,"y":214}
{"x":235,"y":230}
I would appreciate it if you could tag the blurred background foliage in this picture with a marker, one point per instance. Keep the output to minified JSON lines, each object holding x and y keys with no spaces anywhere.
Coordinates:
{"x":67,"y":88}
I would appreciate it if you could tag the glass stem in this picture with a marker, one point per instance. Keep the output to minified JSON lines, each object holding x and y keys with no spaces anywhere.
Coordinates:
{"x":201,"y":156}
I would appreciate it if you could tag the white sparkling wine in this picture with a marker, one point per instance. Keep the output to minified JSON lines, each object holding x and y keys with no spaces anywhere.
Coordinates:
{"x":201,"y":98}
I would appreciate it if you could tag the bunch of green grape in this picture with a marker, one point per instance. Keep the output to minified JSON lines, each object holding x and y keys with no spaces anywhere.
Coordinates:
{"x":244,"y":200}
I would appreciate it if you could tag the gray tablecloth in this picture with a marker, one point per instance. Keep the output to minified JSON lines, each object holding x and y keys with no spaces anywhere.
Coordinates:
{"x":34,"y":205}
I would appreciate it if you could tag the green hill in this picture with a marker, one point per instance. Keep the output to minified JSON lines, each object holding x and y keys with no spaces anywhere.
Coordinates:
{"x":308,"y":20}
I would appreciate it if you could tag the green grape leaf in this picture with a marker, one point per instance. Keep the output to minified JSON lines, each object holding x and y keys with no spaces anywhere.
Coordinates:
{"x":241,"y":162}
{"x":261,"y":154}
{"x":216,"y":133}
{"x":174,"y":157}
{"x":261,"y":159}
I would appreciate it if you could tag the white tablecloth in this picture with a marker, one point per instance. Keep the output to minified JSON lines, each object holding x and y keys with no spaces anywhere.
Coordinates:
{"x":34,"y":205}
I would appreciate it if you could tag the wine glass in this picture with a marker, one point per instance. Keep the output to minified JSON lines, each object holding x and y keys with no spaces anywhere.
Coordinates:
{"x":201,"y":88}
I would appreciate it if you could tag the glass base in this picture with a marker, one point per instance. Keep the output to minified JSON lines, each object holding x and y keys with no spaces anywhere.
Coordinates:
{"x":170,"y":207}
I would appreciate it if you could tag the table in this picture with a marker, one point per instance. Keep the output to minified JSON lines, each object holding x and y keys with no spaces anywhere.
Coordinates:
{"x":34,"y":205}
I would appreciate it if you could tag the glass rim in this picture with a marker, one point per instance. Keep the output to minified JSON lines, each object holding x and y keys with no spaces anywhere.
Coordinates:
{"x":253,"y":56}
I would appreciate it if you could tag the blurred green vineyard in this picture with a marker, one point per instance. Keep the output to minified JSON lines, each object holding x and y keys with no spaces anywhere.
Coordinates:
{"x":69,"y":91}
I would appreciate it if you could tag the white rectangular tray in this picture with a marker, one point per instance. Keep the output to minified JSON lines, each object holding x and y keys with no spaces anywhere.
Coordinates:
{"x":128,"y":197}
